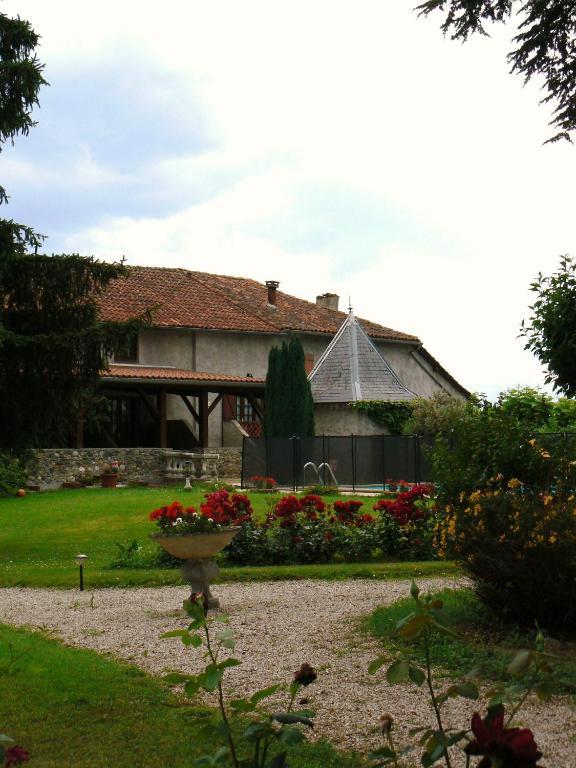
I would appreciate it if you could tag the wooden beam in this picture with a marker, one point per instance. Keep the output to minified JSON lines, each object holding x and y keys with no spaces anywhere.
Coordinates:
{"x":108,"y":436}
{"x":203,"y":424}
{"x":191,"y":408}
{"x":255,"y":406}
{"x":163,"y":426}
{"x":80,"y":430}
{"x":148,"y":405}
{"x":214,"y":403}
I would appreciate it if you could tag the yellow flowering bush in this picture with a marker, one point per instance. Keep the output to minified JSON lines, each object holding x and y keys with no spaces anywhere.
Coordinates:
{"x":519,"y":547}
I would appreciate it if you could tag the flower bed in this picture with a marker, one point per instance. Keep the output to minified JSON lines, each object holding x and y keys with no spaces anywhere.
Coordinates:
{"x":305,"y":529}
{"x":220,"y":510}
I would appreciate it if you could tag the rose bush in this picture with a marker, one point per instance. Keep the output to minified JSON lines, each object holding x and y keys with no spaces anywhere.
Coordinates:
{"x":493,"y":738}
{"x":305,"y":529}
{"x":220,"y":510}
{"x":262,"y":483}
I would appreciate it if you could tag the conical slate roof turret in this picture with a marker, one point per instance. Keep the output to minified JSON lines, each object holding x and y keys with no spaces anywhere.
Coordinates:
{"x":352,"y":369}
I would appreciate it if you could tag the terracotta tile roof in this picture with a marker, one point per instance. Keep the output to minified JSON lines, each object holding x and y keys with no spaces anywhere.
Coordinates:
{"x":184,"y":299}
{"x":173,"y":374}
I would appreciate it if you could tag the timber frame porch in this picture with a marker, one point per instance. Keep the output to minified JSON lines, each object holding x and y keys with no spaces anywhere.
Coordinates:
{"x":150,"y":387}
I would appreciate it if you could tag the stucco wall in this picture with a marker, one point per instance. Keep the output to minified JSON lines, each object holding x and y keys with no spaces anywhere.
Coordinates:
{"x":242,"y":353}
{"x":414,"y":371}
{"x":159,"y":346}
{"x":335,"y":419}
{"x":239,"y":354}
{"x":245,"y":353}
{"x":231,"y":435}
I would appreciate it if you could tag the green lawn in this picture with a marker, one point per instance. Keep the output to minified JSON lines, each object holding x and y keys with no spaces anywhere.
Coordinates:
{"x":41,"y":533}
{"x":72,"y":707}
{"x":483,"y":643}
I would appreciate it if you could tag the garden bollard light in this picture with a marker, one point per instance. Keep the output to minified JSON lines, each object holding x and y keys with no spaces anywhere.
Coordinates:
{"x":80,"y":560}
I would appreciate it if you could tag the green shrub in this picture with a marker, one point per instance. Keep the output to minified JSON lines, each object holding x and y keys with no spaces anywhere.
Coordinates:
{"x":12,"y":474}
{"x":434,"y":415}
{"x":357,"y":544}
{"x":133,"y":555}
{"x":249,"y":546}
{"x":321,"y":490}
{"x":519,"y":547}
{"x":487,"y":440}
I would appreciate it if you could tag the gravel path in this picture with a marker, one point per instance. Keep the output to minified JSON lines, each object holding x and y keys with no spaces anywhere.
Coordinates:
{"x":277,"y":626}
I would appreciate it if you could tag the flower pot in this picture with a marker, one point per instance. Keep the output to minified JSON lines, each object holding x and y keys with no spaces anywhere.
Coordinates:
{"x":197,"y":549}
{"x":108,"y":481}
{"x":196,"y":546}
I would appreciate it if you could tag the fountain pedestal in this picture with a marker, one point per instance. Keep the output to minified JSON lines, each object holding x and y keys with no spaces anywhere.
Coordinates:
{"x":199,"y":573}
{"x":198,"y":549}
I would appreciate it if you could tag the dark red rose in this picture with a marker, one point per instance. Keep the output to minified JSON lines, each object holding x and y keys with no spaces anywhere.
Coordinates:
{"x":200,"y":597}
{"x":305,"y":675}
{"x":500,"y":746}
{"x":386,"y":723}
{"x":15,"y":756}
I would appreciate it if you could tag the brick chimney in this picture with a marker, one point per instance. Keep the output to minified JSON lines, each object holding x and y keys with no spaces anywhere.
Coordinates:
{"x":328,"y":301}
{"x":272,"y":285}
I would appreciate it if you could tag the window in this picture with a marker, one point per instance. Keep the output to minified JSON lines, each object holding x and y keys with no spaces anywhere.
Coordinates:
{"x":308,"y":362}
{"x":127,"y":352}
{"x":121,"y":420}
{"x":244,"y":409}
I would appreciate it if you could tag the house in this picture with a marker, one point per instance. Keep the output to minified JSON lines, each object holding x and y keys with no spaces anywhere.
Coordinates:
{"x":195,"y":377}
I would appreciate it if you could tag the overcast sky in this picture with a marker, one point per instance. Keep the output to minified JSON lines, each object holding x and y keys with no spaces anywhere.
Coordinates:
{"x":334,"y":146}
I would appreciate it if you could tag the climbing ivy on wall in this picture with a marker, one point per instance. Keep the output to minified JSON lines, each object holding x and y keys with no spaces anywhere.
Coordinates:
{"x":391,"y":415}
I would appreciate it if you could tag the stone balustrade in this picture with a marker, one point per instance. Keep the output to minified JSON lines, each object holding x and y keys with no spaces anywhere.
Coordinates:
{"x":197,"y":466}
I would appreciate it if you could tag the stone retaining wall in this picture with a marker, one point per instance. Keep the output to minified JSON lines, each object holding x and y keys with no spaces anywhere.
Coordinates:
{"x":230,"y":462}
{"x":51,"y":467}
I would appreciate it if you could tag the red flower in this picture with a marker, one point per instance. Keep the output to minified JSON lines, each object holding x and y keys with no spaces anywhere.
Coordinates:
{"x":200,"y":597}
{"x":312,"y":505}
{"x":502,"y":747}
{"x":225,"y":510}
{"x":305,"y":675}
{"x":15,"y":756}
{"x":402,"y":508}
{"x":171,"y":512}
{"x":263,"y":482}
{"x":286,"y":510}
{"x":346,"y":511}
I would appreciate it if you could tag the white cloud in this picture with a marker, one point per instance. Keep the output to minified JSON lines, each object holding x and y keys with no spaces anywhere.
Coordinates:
{"x":361,"y":97}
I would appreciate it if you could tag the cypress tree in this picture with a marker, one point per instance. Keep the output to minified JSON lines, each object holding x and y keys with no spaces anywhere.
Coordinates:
{"x":288,"y":397}
{"x":270,"y":394}
{"x":300,"y":404}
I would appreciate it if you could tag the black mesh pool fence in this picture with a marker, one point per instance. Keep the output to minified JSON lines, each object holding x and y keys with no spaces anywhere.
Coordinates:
{"x":349,"y":461}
